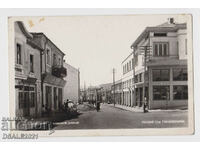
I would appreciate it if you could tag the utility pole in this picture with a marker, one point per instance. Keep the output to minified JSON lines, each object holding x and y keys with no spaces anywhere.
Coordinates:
{"x":145,"y":51}
{"x":113,"y":71}
{"x":79,"y":86}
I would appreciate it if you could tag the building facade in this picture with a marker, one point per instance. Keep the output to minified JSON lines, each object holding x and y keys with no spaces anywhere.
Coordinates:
{"x":72,"y":88}
{"x":28,"y":94}
{"x":53,"y":73}
{"x":116,"y":91}
{"x":158,"y":64}
{"x":39,"y":73}
{"x":106,"y":92}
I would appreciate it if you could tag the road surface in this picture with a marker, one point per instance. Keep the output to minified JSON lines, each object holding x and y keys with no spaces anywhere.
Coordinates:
{"x":111,"y":117}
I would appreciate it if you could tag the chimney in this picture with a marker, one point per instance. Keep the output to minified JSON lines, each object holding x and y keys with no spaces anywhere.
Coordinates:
{"x":171,"y":20}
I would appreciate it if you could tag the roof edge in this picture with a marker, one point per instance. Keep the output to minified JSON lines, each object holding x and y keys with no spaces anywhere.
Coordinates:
{"x":41,"y":33}
{"x":24,"y":30}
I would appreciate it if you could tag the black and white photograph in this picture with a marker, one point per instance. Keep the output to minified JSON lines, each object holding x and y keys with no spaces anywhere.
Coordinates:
{"x":101,"y":75}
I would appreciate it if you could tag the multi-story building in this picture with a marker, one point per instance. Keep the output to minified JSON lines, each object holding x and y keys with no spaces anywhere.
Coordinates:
{"x":94,"y":94}
{"x":117,"y":92}
{"x":127,"y":81}
{"x":39,"y":73}
{"x":158,"y":64}
{"x":53,"y":73}
{"x":72,"y":88}
{"x":106,"y":92}
{"x":27,"y":73}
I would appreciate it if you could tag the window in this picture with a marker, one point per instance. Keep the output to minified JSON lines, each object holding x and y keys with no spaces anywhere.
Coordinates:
{"x":129,"y":65}
{"x":124,"y":69}
{"x":160,"y":74}
{"x":136,"y":59}
{"x":140,"y":77}
{"x":161,"y":49}
{"x":26,"y":99}
{"x":132,"y":63}
{"x":32,"y":99}
{"x":165,"y":53}
{"x":136,"y":78}
{"x":180,"y":92}
{"x":156,"y":50}
{"x":59,"y":61}
{"x":54,"y":60}
{"x":161,"y":93}
{"x":180,"y":74}
{"x":19,"y":54}
{"x":31,"y":63}
{"x":48,"y":57}
{"x":160,"y":34}
{"x":21,"y":100}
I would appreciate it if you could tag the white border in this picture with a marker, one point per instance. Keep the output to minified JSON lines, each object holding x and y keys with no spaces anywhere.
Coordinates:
{"x":55,"y":12}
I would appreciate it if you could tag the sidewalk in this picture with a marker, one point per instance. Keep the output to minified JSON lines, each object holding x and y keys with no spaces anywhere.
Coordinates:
{"x":133,"y":109}
{"x":140,"y":109}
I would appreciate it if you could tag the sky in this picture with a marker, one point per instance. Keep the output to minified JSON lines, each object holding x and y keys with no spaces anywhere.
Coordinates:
{"x":95,"y":44}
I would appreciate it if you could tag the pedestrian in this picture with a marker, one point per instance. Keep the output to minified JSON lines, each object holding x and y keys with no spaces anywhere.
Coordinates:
{"x":145,"y":105}
{"x":98,"y":106}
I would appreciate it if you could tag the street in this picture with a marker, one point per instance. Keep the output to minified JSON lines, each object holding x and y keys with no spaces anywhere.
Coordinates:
{"x":110,"y":117}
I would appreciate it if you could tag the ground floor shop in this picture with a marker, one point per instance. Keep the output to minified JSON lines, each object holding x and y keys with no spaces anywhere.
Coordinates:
{"x":28,"y":97}
{"x":166,"y":87}
{"x":52,"y":94}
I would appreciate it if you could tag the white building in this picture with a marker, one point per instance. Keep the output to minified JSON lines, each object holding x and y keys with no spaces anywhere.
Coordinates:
{"x":72,"y":87}
{"x":165,"y":69}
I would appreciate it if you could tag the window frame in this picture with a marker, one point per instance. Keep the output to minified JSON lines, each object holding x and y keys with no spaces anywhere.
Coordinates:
{"x":48,"y":56}
{"x":160,"y":88}
{"x":19,"y":60}
{"x":158,"y":51}
{"x":160,"y":75}
{"x":181,"y":91}
{"x":182,"y":76}
{"x":31,"y":64}
{"x":54,"y":59}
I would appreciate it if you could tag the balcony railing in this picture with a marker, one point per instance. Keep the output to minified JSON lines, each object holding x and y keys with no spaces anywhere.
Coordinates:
{"x":59,"y":71}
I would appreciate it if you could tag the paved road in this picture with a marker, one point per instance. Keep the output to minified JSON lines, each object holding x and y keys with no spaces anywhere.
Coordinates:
{"x":110,"y":117}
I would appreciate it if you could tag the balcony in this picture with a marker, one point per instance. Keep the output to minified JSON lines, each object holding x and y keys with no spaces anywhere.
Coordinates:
{"x":59,"y":71}
{"x":152,"y":60}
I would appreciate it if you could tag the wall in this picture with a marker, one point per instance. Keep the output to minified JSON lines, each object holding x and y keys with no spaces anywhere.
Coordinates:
{"x":26,"y":50}
{"x":182,"y":36}
{"x":71,"y":89}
